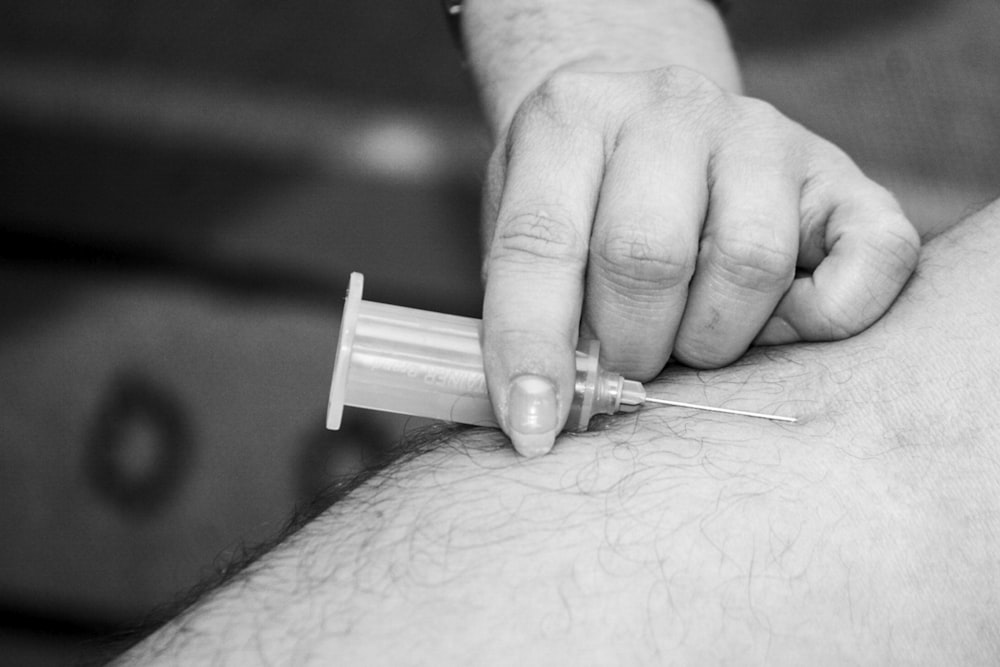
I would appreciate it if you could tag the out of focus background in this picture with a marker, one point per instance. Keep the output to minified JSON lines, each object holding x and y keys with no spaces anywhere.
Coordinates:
{"x":185,"y":189}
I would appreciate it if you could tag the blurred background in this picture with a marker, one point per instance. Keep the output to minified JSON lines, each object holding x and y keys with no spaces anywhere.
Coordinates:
{"x":185,"y":189}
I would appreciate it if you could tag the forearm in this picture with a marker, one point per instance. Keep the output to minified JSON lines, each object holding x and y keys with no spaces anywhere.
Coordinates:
{"x":514,"y":45}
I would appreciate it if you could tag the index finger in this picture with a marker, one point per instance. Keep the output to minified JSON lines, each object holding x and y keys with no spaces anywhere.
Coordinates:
{"x":535,"y":276}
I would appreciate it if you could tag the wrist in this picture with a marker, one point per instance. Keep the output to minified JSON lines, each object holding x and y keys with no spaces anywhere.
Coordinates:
{"x":453,"y":17}
{"x":513,"y":46}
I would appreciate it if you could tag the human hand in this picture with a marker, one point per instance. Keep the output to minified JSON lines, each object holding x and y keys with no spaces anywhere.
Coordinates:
{"x":663,"y":215}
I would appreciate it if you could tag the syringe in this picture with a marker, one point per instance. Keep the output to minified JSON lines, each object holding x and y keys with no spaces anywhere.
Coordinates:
{"x":425,"y":364}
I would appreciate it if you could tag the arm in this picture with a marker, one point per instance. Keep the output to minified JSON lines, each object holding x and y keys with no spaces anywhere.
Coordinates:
{"x":867,"y":533}
{"x":635,"y":194}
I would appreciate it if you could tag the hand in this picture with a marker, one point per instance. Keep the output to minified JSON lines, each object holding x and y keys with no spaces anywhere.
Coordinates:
{"x":663,"y":215}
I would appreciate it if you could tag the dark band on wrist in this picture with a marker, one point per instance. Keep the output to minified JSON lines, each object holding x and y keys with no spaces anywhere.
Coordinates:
{"x":453,"y":14}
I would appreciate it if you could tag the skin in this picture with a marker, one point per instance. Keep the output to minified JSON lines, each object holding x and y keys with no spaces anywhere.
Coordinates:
{"x":867,"y":533}
{"x":635,"y":195}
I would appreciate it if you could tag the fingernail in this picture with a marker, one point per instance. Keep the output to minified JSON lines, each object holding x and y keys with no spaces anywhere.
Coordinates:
{"x":532,"y":414}
{"x":777,"y":331}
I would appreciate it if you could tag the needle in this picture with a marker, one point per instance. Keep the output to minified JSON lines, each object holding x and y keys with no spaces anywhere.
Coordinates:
{"x":678,"y":404}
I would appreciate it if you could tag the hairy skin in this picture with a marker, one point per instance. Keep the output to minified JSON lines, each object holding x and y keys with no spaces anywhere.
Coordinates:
{"x":866,"y":533}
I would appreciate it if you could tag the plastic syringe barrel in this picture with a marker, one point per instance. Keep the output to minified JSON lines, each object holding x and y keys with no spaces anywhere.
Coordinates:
{"x":426,"y":364}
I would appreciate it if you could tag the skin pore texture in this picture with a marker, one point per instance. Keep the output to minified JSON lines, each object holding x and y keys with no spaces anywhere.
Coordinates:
{"x":867,"y":533}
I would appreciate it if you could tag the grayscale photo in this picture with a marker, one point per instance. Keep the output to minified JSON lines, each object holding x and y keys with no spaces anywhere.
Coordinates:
{"x":500,"y":332}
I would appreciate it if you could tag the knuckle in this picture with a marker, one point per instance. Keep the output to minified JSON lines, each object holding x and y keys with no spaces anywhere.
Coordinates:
{"x":563,"y":84}
{"x":562,"y":108}
{"x":890,"y":240}
{"x":752,"y":264}
{"x":545,"y":234}
{"x":556,"y":100}
{"x":676,"y":81}
{"x":691,"y":100}
{"x":637,"y":260}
